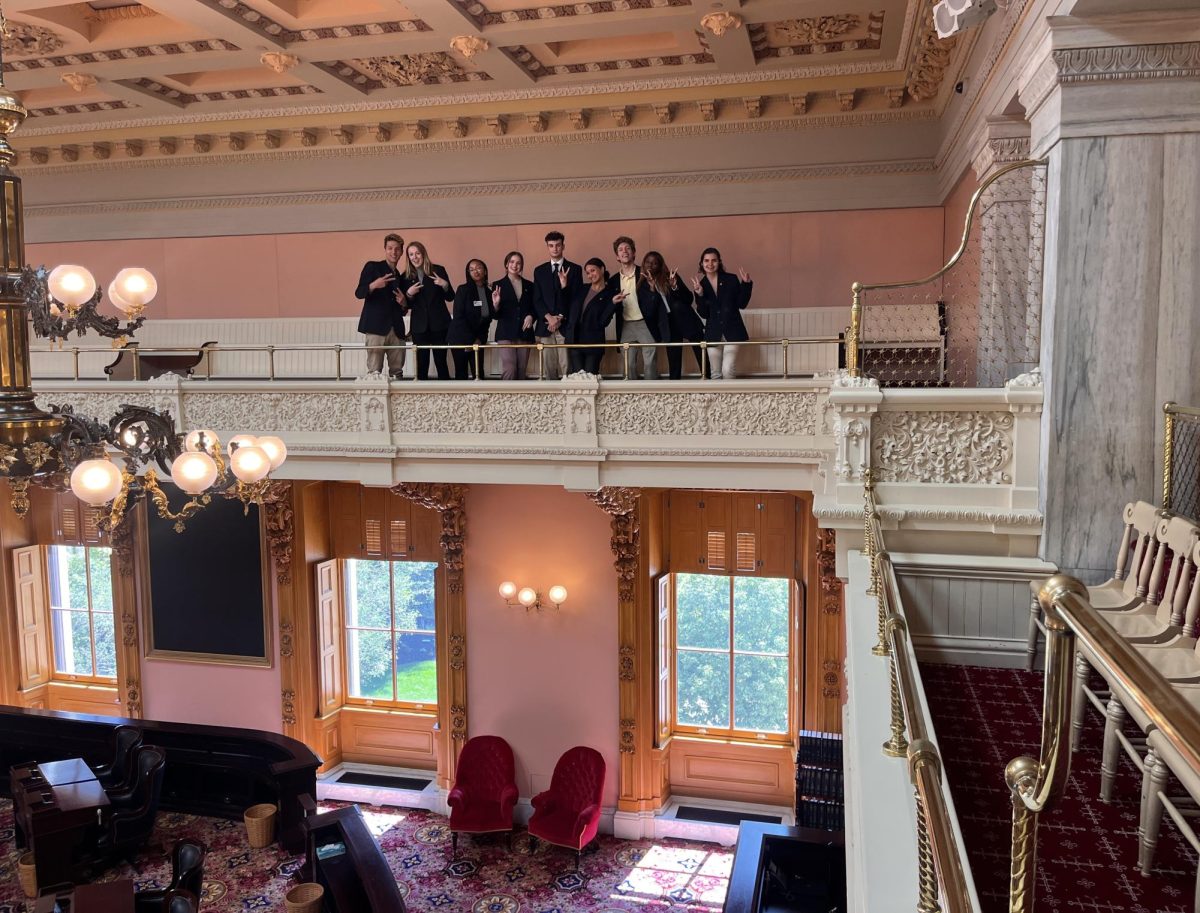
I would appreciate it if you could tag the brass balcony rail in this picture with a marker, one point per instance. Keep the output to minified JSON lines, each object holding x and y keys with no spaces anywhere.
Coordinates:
{"x":1181,"y":460}
{"x":477,"y":351}
{"x":1035,"y":783}
{"x":942,"y":323}
{"x":942,"y":876}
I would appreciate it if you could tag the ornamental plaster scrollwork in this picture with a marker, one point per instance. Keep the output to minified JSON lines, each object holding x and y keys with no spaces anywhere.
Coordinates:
{"x":476,"y":413}
{"x":955,"y":448}
{"x":742,"y":414}
{"x":289,"y":707}
{"x":625,"y":667}
{"x":458,"y":650}
{"x":280,"y":520}
{"x":287,"y":638}
{"x":1019,"y":518}
{"x":931,"y":60}
{"x":581,"y":415}
{"x":133,"y":698}
{"x":293,"y":411}
{"x":24,"y":40}
{"x":831,"y":584}
{"x":458,"y":722}
{"x":628,"y":744}
{"x":621,"y":504}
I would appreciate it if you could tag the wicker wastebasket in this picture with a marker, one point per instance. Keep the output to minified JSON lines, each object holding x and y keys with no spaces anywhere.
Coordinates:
{"x":304,"y":898}
{"x":260,"y":825}
{"x":27,"y":872}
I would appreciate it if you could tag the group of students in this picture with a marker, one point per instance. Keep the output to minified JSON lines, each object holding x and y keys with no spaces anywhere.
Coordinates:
{"x":564,"y":303}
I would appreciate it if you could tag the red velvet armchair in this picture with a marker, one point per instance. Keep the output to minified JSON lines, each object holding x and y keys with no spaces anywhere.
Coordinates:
{"x":568,"y":813}
{"x":485,"y":789}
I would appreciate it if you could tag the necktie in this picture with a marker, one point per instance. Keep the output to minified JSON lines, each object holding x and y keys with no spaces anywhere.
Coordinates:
{"x":556,"y":268}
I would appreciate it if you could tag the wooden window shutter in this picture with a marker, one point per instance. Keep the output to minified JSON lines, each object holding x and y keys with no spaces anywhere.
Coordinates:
{"x":33,"y":624}
{"x":373,"y":537}
{"x":331,"y":690}
{"x":68,"y":522}
{"x":398,"y":538}
{"x":91,"y":525}
{"x":665,"y":697}
{"x":747,"y":552}
{"x":715,"y":559}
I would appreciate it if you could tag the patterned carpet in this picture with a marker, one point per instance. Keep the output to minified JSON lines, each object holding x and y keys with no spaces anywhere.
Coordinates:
{"x":1087,"y":851}
{"x":620,"y":875}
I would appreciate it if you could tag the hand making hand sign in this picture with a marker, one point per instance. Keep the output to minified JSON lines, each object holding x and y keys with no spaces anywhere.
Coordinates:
{"x":413,"y":289}
{"x":562,"y":278}
{"x":377,"y":284}
{"x":742,"y":274}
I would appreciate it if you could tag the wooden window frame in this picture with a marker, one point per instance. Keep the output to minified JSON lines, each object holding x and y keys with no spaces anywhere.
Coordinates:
{"x":348,"y":700}
{"x":74,"y":677}
{"x":731,"y":733}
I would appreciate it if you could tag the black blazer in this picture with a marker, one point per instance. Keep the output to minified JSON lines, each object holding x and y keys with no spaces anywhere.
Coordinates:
{"x":511,"y":312}
{"x":549,"y":297}
{"x":428,"y":306}
{"x":588,"y":325}
{"x":650,"y":304}
{"x":469,"y":322}
{"x":381,"y":312}
{"x":684,"y":322}
{"x":722,"y":310}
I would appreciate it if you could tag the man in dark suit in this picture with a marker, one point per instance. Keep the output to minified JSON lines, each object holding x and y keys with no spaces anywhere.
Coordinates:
{"x":552,"y":300}
{"x":382,"y":320}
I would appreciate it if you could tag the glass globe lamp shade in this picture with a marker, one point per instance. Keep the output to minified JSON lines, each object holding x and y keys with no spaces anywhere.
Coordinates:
{"x":508,"y":589}
{"x":71,"y":285}
{"x":200,"y":439}
{"x":558,"y":594}
{"x":194,"y":472}
{"x":275,"y":448}
{"x":96,"y":482}
{"x":250,"y":464}
{"x":527,"y":596}
{"x":133,"y":289}
{"x":241,"y":440}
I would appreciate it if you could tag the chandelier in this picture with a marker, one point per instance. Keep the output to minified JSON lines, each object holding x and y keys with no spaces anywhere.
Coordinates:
{"x":59,"y":449}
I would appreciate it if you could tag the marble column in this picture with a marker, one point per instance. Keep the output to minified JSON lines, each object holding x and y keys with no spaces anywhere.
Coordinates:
{"x":1114,"y":104}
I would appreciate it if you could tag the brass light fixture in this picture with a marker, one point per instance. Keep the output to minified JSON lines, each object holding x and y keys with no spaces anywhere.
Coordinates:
{"x":59,"y":449}
{"x":531,"y":598}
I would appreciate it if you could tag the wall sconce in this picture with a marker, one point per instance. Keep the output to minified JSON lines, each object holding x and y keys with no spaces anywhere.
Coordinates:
{"x":531,"y":598}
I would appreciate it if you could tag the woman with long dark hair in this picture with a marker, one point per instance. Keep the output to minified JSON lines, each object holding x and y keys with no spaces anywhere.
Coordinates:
{"x":428,"y":291}
{"x":591,"y":311}
{"x":720,"y":299}
{"x":470,"y":318}
{"x":512,"y":303}
{"x":674,"y":298}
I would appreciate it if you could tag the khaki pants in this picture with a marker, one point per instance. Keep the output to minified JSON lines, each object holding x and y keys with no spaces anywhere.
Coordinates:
{"x":637,"y":331}
{"x":555,"y":360}
{"x":395,"y":357}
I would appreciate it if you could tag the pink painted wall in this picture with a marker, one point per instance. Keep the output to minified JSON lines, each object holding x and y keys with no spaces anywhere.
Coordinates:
{"x":545,"y":682}
{"x":214,"y":694}
{"x":796,"y":259}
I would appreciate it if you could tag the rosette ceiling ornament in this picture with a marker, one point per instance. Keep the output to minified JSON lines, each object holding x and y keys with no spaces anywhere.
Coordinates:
{"x":104,"y":463}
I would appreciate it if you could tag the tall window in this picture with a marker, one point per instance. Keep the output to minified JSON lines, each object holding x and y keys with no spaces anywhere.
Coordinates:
{"x":391,"y":645}
{"x":732,"y":655}
{"x":81,"y":612}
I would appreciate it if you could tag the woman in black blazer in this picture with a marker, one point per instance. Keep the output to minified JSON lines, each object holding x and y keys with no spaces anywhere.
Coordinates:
{"x":470,"y":318}
{"x":512,"y":304}
{"x":675,"y":300}
{"x":721,"y":298}
{"x":590,"y":312}
{"x":428,"y":291}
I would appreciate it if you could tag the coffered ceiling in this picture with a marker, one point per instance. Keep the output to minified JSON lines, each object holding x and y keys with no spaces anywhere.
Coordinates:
{"x":124,"y":79}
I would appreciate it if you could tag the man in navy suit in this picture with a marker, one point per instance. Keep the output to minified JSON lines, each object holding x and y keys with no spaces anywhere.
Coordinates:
{"x":382,"y":320}
{"x":552,"y":300}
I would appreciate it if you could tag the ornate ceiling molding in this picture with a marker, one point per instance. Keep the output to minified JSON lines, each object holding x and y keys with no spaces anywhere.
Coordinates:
{"x":433,"y":68}
{"x":156,"y":50}
{"x":482,"y":16}
{"x":280,"y":34}
{"x":24,"y":40}
{"x":89,"y":108}
{"x":151,"y":87}
{"x":529,"y":61}
{"x":818,"y":35}
{"x":1141,"y":61}
{"x":931,"y":59}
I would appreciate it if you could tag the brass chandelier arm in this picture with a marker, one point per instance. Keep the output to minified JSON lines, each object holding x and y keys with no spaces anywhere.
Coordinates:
{"x":78,"y":320}
{"x":159,"y":497}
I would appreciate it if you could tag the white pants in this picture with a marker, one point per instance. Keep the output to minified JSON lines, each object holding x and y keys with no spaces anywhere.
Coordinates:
{"x":723,"y":360}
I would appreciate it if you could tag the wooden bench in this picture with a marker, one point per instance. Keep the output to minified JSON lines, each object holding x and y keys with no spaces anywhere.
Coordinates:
{"x":131,"y":364}
{"x":904,"y":343}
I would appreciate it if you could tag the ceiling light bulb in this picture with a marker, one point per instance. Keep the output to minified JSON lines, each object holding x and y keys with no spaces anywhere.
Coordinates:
{"x":527,"y":597}
{"x":242,"y":440}
{"x":250,"y":464}
{"x":96,"y":482}
{"x":508,"y":589}
{"x":135,"y":286}
{"x":558,"y":594}
{"x":71,"y":285}
{"x":194,"y":472}
{"x":200,"y":439}
{"x":275,"y":448}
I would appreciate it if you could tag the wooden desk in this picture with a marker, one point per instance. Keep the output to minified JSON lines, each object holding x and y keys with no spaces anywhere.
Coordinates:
{"x":107,"y":897}
{"x":60,"y":773}
{"x":54,"y":821}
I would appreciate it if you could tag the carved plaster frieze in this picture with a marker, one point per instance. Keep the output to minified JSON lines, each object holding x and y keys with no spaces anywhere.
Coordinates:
{"x":482,"y":16}
{"x":743,"y":414}
{"x":476,"y":413}
{"x":24,"y":40}
{"x":955,"y":448}
{"x":280,"y":521}
{"x":817,"y":35}
{"x":429,"y":68}
{"x":930,"y":61}
{"x":87,"y":108}
{"x":295,"y":412}
{"x":256,"y":20}
{"x":1031,"y":519}
{"x":90,"y":57}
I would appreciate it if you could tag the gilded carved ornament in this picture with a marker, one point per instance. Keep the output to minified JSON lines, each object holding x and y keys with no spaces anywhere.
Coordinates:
{"x":450,"y":503}
{"x":469,"y":45}
{"x":621,"y":504}
{"x":720,"y":21}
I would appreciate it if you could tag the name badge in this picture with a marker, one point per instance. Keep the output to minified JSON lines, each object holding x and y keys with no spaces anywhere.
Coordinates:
{"x":478,"y":304}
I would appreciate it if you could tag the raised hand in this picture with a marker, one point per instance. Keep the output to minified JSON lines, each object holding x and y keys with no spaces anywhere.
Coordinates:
{"x":696,"y":285}
{"x":496,"y":295}
{"x":619,"y":297}
{"x":442,"y":283}
{"x":562,"y":278}
{"x":413,"y":289}
{"x":742,"y":274}
{"x":377,"y":284}
{"x":674,"y":277}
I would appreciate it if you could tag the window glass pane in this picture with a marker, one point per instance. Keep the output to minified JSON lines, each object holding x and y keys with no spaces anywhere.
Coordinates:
{"x":368,"y":597}
{"x":760,"y":614}
{"x":702,"y":689}
{"x":416,"y":668}
{"x":101,"y":562}
{"x":73,"y":643}
{"x":369,"y":664}
{"x":68,"y":577}
{"x":702,"y":611}
{"x":106,"y":644}
{"x":760,"y":693}
{"x":413,"y":594}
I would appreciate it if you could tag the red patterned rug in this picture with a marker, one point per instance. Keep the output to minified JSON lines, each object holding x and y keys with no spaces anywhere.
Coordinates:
{"x":619,"y":875}
{"x":1087,"y":851}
